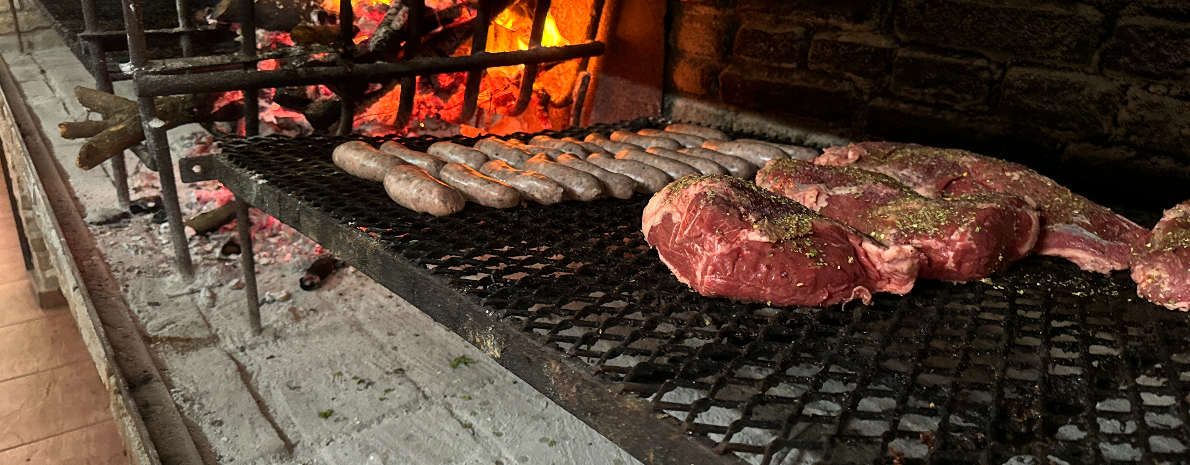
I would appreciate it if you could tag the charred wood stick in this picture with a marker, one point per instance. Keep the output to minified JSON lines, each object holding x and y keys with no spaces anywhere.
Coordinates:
{"x":209,"y":221}
{"x":81,"y":129}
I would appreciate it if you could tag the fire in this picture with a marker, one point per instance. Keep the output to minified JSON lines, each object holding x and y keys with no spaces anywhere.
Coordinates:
{"x":510,"y":31}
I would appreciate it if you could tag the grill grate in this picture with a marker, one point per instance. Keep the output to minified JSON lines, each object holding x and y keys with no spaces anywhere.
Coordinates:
{"x":1044,"y":361}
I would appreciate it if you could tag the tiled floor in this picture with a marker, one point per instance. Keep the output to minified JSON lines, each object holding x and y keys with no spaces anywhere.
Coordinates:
{"x":53,"y":407}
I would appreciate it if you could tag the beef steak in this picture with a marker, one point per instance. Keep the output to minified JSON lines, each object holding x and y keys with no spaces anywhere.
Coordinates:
{"x":1074,"y":228}
{"x":961,"y":238}
{"x":1162,"y":268}
{"x":727,"y":237}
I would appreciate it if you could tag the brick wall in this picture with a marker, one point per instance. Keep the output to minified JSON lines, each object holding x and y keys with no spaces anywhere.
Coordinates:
{"x":1095,"y":93}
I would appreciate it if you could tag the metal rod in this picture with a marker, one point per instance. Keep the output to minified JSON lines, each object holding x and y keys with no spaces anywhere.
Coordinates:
{"x":592,"y":30}
{"x":530,"y":74}
{"x":156,"y":141}
{"x":185,"y":25}
{"x":16,"y":26}
{"x":346,"y":114}
{"x":154,"y":85}
{"x":248,"y":264}
{"x":103,"y":82}
{"x":248,"y":49}
{"x":346,"y":25}
{"x":580,"y":96}
{"x":479,"y":44}
{"x":88,"y":35}
{"x":412,"y":41}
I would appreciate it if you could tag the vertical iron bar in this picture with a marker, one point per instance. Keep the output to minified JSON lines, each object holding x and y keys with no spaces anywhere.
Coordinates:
{"x":155,"y":139}
{"x":346,"y":45}
{"x":580,"y":97}
{"x":346,"y":25}
{"x":248,"y":49}
{"x":479,"y":42}
{"x":584,"y":73}
{"x":16,"y":26}
{"x":185,"y":24}
{"x":248,"y":263}
{"x":103,"y":82}
{"x":530,"y":73}
{"x":412,"y":43}
{"x":346,"y":112}
{"x":592,"y":30}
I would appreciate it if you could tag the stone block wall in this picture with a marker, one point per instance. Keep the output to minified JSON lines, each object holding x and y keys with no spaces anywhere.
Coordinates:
{"x":1095,"y":93}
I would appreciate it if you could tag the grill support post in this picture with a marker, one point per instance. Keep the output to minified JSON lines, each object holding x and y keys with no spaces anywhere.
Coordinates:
{"x":103,"y":82}
{"x":248,"y":264}
{"x":529,"y":74}
{"x":479,"y":44}
{"x":156,"y":141}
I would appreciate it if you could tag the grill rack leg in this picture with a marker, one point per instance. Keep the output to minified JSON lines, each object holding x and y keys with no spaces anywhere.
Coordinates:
{"x":248,"y":264}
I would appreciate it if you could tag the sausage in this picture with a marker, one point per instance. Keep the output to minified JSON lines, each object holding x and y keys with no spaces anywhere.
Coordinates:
{"x":696,"y":130}
{"x":686,"y":140}
{"x":497,"y":149}
{"x":703,"y":165}
{"x":675,"y":169}
{"x":645,"y":141}
{"x":595,"y":137}
{"x":477,"y":188}
{"x":648,"y":179}
{"x":413,"y":188}
{"x":563,"y":145}
{"x":576,"y":184}
{"x":589,"y":146}
{"x":794,"y":151}
{"x":737,"y":166}
{"x":421,"y":160}
{"x":613,"y":147}
{"x":455,"y":153}
{"x":536,"y":149}
{"x":531,"y":184}
{"x":756,"y":154}
{"x":361,"y":160}
{"x":614,"y":184}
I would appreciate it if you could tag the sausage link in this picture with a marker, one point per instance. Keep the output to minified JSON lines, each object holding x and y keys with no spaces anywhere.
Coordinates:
{"x":675,"y":169}
{"x":576,"y":184}
{"x":703,"y":165}
{"x":738,"y":167}
{"x":595,"y":137}
{"x":361,"y":160}
{"x":563,"y":145}
{"x":614,"y":184}
{"x":477,"y":188}
{"x":531,"y":184}
{"x":590,"y":147}
{"x":648,"y":179}
{"x":497,"y":149}
{"x":421,"y":160}
{"x":413,"y":188}
{"x":686,"y":140}
{"x":757,"y":154}
{"x":695,"y":130}
{"x":645,"y":141}
{"x":536,"y":149}
{"x":455,"y":153}
{"x":613,"y":147}
{"x":794,"y":151}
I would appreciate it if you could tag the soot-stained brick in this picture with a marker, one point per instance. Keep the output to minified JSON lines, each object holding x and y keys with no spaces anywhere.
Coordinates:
{"x":951,"y":79}
{"x":862,"y":54}
{"x":802,"y":93}
{"x":1150,"y":47}
{"x":1083,"y":104}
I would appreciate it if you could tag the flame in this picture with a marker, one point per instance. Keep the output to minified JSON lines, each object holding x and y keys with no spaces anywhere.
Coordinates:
{"x":510,"y":31}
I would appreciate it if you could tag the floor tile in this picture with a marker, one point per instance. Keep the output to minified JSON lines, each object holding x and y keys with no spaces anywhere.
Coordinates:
{"x":39,"y":345}
{"x":20,"y":305}
{"x":12,"y":265}
{"x":97,"y":444}
{"x":42,"y":405}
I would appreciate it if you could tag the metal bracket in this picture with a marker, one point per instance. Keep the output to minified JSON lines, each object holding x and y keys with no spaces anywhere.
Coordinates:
{"x":195,"y":169}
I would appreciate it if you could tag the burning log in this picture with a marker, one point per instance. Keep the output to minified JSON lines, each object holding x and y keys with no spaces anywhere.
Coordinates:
{"x":390,"y":33}
{"x":121,"y":128}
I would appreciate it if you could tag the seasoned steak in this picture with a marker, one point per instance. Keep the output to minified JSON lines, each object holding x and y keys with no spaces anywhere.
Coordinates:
{"x":962,"y":238}
{"x":726,"y":237}
{"x":1162,"y":268}
{"x":1074,"y":228}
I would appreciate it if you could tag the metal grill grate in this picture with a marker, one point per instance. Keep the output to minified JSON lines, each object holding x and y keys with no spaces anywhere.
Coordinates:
{"x":1044,"y":361}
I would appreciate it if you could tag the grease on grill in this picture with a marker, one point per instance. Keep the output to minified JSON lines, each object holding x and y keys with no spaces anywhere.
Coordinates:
{"x":1043,"y":361}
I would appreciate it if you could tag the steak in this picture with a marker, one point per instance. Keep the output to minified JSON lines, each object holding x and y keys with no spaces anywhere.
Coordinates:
{"x":1074,"y":228}
{"x":961,"y":238}
{"x":727,"y":237}
{"x":1162,"y":268}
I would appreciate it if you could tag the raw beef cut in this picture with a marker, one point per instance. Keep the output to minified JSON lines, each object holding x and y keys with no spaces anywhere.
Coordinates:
{"x":962,"y":238}
{"x":1074,"y":228}
{"x":727,"y":237}
{"x":1162,"y":268}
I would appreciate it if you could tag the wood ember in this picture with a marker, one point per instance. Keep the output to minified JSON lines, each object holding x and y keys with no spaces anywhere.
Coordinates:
{"x":390,"y":33}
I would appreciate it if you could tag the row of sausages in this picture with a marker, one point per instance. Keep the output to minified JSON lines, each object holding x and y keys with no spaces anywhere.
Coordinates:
{"x":499,"y":174}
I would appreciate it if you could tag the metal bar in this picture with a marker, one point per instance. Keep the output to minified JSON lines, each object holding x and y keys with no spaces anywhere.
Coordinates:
{"x":153,"y":85}
{"x":479,"y":44}
{"x":103,"y":82}
{"x":346,"y":25}
{"x":248,"y":49}
{"x":530,"y":73}
{"x":580,"y":97}
{"x":185,"y":25}
{"x":346,"y":45}
{"x":346,"y":114}
{"x":592,"y":30}
{"x":412,"y":41}
{"x":179,"y":65}
{"x":248,"y":264}
{"x":16,"y":25}
{"x":156,"y":141}
{"x":88,"y":35}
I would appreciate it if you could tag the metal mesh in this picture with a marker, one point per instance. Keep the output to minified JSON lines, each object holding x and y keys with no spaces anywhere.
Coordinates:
{"x":1044,"y":361}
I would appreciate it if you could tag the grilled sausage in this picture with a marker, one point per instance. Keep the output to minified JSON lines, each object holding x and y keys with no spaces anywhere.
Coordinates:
{"x":576,"y":184}
{"x":614,"y":184}
{"x":703,"y":165}
{"x":421,"y":160}
{"x":686,"y":140}
{"x":497,"y":149}
{"x":455,"y":153}
{"x":794,"y":151}
{"x":563,"y":145}
{"x":613,"y":147}
{"x":737,"y":166}
{"x":590,"y":147}
{"x":648,"y":179}
{"x":675,"y":169}
{"x":594,"y":137}
{"x":477,"y":188}
{"x":756,"y":154}
{"x":531,"y":184}
{"x":536,"y":149}
{"x":413,"y":188}
{"x":696,"y":130}
{"x":361,"y":160}
{"x":645,"y":141}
